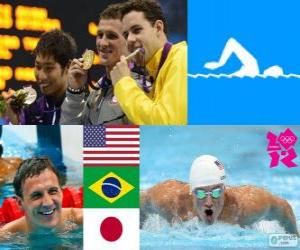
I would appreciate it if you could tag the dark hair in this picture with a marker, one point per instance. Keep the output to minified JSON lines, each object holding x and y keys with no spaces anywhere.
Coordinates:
{"x":151,"y":9}
{"x":112,"y":11}
{"x":31,"y":167}
{"x":58,"y":44}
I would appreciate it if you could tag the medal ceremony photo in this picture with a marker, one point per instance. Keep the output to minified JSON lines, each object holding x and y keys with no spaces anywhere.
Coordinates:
{"x":149,"y":124}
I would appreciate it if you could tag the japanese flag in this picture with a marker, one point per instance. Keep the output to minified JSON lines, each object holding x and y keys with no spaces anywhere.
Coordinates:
{"x":111,"y":229}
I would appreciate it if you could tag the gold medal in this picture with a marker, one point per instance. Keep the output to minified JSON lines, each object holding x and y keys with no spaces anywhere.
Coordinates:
{"x":88,"y":59}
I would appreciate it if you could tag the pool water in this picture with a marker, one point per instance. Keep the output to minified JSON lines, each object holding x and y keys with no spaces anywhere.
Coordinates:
{"x":242,"y":149}
{"x":66,"y":241}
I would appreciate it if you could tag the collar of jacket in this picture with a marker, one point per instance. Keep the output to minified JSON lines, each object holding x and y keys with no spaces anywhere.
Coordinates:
{"x":152,"y":65}
{"x":49,"y":102}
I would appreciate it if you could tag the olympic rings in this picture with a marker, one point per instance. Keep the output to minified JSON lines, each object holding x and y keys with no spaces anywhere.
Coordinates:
{"x":287,"y":139}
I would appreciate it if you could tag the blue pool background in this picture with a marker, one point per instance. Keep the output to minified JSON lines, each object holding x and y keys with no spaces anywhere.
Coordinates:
{"x":167,"y":153}
{"x":21,"y":141}
{"x":269,"y":31}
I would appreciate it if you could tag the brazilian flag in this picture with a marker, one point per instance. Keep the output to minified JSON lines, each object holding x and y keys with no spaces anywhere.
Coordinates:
{"x":111,"y":187}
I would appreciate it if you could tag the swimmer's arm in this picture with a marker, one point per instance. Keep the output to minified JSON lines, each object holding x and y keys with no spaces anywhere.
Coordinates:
{"x":283,"y":212}
{"x":8,"y":166}
{"x":15,"y":226}
{"x":269,"y":207}
{"x":143,"y":207}
{"x":77,"y":215}
{"x":4,"y":235}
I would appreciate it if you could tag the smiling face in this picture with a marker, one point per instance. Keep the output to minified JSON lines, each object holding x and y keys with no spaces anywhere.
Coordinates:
{"x":110,"y":42}
{"x":42,"y":200}
{"x":209,"y":208}
{"x":140,"y":33}
{"x":50,"y":76}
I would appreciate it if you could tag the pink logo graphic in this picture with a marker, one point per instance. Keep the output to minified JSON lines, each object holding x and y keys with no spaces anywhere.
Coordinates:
{"x":285,"y":143}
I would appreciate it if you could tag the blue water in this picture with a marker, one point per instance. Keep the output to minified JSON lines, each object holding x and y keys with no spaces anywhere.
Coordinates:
{"x":67,"y":241}
{"x":16,"y":146}
{"x":167,"y":153}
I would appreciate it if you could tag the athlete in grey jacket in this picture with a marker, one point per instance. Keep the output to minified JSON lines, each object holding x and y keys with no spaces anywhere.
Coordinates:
{"x":101,"y":106}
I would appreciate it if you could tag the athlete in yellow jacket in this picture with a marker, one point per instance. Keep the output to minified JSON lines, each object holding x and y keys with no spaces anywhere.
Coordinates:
{"x":166,"y":103}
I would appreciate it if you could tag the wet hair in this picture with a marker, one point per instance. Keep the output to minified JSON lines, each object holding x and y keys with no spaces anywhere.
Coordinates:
{"x":152,"y":10}
{"x":57,"y":44}
{"x":31,"y":167}
{"x":112,"y":11}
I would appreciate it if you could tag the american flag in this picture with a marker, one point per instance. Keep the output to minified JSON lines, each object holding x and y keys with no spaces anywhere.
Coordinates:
{"x":220,"y":165}
{"x":112,"y":145}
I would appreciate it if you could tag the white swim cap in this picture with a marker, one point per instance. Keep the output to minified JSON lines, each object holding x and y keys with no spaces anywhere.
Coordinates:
{"x":206,"y":170}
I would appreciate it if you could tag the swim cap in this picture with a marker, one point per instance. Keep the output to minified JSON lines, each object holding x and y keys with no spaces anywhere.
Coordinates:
{"x":206,"y":170}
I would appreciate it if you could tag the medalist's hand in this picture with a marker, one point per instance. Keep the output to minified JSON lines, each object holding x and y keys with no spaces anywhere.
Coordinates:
{"x":9,"y":112}
{"x":77,"y":76}
{"x":120,"y":70}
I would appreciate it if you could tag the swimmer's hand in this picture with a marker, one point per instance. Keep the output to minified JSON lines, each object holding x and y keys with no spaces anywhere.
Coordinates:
{"x":212,"y":65}
{"x":120,"y":70}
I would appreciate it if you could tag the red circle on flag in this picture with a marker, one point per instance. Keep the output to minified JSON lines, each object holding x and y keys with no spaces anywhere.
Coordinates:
{"x":111,"y":229}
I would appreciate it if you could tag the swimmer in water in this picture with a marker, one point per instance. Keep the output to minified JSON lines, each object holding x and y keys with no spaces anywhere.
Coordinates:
{"x":37,"y":185}
{"x":8,"y":167}
{"x":208,"y":198}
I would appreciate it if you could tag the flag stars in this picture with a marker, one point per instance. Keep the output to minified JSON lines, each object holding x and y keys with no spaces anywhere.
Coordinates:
{"x":94,"y":136}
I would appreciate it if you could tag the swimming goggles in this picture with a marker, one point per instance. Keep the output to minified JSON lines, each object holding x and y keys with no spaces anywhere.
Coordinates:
{"x":215,"y":193}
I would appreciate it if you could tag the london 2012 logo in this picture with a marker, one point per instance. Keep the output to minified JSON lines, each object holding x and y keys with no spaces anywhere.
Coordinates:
{"x":281,"y":148}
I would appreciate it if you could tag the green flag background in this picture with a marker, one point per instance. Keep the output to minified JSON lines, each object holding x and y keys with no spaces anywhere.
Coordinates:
{"x":94,"y":174}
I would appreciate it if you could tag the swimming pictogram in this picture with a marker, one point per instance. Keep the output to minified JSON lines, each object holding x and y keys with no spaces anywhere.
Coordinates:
{"x":249,"y":64}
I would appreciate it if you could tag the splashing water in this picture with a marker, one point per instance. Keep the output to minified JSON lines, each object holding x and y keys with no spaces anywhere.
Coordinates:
{"x":157,"y":233}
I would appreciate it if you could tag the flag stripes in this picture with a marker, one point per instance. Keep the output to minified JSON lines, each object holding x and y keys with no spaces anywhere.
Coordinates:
{"x":111,"y":146}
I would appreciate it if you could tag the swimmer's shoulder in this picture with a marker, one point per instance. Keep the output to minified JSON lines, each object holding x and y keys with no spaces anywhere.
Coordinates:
{"x":247,"y":189}
{"x":172,"y":183}
{"x":247,"y":196}
{"x":12,"y":162}
{"x":166,"y":192}
{"x":73,"y":214}
{"x":16,"y":226}
{"x":244,"y":188}
{"x":168,"y":187}
{"x":8,"y":167}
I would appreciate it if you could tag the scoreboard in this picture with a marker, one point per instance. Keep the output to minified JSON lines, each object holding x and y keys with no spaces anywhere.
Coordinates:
{"x":22,"y":22}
